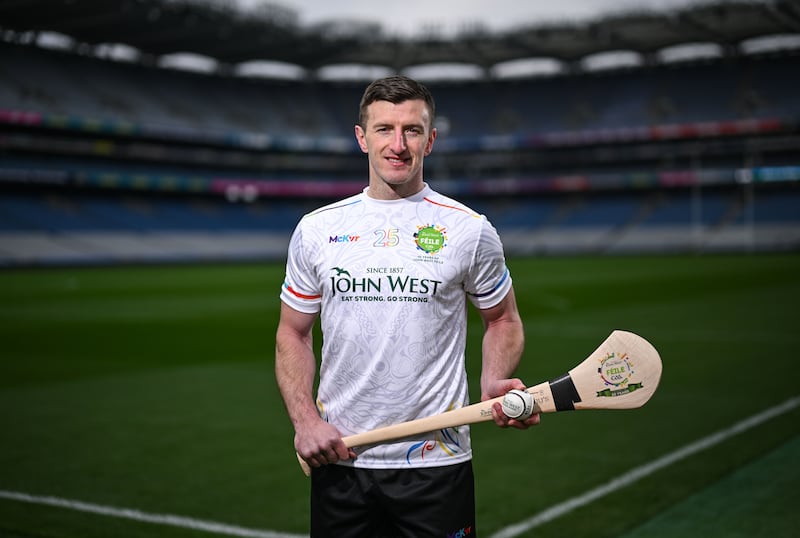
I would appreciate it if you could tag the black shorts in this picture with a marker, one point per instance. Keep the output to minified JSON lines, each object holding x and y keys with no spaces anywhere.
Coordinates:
{"x":348,"y":502}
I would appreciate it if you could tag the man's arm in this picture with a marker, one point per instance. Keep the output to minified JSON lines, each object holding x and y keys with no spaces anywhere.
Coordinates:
{"x":503,"y":344}
{"x":318,"y":442}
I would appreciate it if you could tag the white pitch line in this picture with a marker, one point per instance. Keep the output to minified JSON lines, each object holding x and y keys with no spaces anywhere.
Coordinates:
{"x":637,"y":473}
{"x":136,"y":515}
{"x":508,"y":532}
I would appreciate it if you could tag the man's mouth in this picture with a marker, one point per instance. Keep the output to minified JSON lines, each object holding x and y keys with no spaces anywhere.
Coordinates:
{"x":396,"y":161}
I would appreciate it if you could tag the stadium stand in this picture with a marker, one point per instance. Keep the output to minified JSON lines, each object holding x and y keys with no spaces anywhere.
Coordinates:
{"x":121,"y":162}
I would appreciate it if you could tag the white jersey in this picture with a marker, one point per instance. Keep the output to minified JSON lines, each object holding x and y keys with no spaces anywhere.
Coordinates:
{"x":391,"y":280}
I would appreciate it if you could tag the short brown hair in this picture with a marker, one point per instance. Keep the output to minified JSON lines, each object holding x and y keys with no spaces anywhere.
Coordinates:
{"x":395,"y":89}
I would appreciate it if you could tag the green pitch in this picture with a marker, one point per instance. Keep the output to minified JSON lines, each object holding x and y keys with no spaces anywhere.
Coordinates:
{"x":151,"y":388}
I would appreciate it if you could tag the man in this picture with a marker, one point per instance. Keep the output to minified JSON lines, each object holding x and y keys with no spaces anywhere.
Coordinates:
{"x":389,"y":271}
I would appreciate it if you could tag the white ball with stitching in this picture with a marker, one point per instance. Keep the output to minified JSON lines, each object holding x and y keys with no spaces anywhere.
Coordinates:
{"x":518,"y":404}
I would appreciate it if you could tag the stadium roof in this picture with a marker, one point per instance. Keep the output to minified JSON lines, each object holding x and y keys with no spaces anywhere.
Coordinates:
{"x":231,"y":36}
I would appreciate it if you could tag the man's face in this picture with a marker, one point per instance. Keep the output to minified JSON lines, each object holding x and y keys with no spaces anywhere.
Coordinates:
{"x":396,"y":138}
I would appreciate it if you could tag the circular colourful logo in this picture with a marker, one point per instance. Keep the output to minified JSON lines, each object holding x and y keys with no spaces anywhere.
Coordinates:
{"x":430,"y":239}
{"x":615,"y":370}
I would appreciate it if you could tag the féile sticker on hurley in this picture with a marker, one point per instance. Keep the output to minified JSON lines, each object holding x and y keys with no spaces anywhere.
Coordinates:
{"x":616,"y":372}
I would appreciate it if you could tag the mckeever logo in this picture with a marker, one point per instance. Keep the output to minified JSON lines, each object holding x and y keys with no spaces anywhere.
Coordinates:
{"x":461,"y":533}
{"x":430,"y":239}
{"x":345,"y":238}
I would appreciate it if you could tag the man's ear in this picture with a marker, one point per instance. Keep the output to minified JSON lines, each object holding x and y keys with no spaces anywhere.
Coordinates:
{"x":361,"y":138}
{"x":429,"y":145}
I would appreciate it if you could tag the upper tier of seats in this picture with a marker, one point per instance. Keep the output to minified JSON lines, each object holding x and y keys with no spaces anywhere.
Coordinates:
{"x":43,"y":81}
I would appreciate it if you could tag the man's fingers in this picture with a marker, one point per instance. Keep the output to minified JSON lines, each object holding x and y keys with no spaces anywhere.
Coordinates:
{"x":333,"y":453}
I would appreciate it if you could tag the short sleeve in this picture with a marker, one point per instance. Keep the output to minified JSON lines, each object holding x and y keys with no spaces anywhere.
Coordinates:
{"x":300,"y":289}
{"x":488,"y":280}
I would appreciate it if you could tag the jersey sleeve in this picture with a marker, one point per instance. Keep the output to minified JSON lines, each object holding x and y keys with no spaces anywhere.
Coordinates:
{"x":488,"y":280}
{"x":301,"y":289}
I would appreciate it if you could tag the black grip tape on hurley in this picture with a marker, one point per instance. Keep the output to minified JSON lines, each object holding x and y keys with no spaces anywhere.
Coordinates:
{"x":564,"y":393}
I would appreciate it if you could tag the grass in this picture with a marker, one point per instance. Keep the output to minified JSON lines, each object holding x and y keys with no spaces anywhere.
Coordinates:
{"x":152,"y":388}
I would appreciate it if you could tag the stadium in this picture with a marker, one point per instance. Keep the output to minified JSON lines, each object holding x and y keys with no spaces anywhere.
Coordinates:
{"x":642,"y":169}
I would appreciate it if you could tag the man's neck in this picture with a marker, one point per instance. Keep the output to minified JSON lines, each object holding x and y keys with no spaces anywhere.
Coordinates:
{"x":380,"y":190}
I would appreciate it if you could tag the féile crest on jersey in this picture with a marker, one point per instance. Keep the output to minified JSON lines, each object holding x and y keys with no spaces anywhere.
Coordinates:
{"x":430,"y":238}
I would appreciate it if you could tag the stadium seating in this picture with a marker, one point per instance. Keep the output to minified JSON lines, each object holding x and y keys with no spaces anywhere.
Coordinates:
{"x":187,"y":115}
{"x":57,"y":83}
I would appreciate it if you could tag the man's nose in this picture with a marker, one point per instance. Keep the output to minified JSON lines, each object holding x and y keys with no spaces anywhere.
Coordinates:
{"x":399,"y":142}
